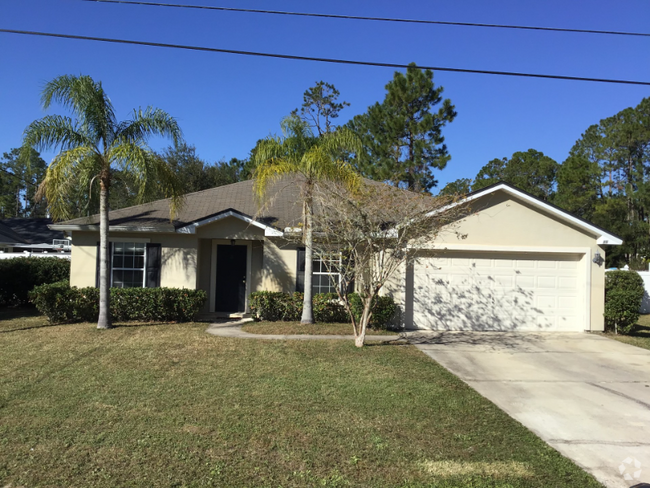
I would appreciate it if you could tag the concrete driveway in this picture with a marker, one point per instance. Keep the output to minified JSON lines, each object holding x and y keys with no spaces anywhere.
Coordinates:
{"x":585,"y":395}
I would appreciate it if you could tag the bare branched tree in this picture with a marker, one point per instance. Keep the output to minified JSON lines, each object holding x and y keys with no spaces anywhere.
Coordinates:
{"x":365,"y":236}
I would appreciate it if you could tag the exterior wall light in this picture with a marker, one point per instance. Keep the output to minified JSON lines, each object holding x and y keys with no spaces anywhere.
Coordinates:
{"x":598,"y":259}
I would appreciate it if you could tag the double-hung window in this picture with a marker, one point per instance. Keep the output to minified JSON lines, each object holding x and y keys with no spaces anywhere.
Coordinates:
{"x":128,"y":265}
{"x":325,"y":273}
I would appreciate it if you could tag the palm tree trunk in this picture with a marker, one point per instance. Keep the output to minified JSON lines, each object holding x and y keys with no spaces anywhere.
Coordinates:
{"x":307,"y":308}
{"x":104,"y":321}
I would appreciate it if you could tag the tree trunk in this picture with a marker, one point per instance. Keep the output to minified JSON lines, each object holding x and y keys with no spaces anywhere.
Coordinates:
{"x":360,"y":339}
{"x":104,"y":321}
{"x":307,"y":308}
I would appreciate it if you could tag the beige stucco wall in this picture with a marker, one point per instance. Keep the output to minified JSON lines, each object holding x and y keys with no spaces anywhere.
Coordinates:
{"x":279,"y":265}
{"x":178,"y":258}
{"x":230,"y":228}
{"x":83,"y":264}
{"x":257,"y":264}
{"x":499,"y":221}
{"x":204,"y":267}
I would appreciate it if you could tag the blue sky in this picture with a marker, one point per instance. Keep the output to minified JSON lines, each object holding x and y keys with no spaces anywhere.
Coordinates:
{"x":225,"y":103}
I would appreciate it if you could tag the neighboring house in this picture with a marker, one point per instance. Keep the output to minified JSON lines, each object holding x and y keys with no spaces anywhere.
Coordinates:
{"x":25,"y":236}
{"x":523,"y":265}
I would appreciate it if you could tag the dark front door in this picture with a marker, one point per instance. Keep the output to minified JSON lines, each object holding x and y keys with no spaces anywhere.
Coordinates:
{"x":231,"y":279}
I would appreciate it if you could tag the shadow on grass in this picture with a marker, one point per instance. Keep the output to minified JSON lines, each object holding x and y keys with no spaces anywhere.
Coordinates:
{"x":641,"y":331}
{"x":22,"y":318}
{"x":17,"y":329}
{"x":11,"y":313}
{"x":398,"y":341}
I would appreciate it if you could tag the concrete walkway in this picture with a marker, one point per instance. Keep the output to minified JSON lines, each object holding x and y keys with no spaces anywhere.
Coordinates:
{"x":234,"y":329}
{"x":585,"y":395}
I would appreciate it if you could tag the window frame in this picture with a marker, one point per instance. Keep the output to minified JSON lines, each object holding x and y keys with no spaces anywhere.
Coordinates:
{"x":332,"y":283}
{"x":144,"y":265}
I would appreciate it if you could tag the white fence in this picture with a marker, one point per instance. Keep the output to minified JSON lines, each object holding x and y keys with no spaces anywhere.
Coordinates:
{"x":645,"y":303}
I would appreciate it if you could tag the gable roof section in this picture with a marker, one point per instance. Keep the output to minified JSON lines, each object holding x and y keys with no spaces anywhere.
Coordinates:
{"x":269,"y":231}
{"x":200,"y":208}
{"x":8,"y":236}
{"x":283,"y":210}
{"x":603,"y":237}
{"x":28,"y":231}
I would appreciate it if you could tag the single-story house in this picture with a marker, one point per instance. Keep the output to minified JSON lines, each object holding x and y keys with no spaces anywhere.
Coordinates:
{"x":21,"y":236}
{"x":523,"y":264}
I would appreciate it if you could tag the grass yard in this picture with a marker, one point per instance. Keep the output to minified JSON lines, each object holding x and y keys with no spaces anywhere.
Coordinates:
{"x":640,"y":337}
{"x":171,"y":406}
{"x":285,"y":328}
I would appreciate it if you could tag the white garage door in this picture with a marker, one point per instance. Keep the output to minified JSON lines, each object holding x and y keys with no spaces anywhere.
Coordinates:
{"x":489,"y":291}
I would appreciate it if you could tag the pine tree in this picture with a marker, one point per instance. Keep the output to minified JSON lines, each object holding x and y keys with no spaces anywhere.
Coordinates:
{"x":402,"y":136}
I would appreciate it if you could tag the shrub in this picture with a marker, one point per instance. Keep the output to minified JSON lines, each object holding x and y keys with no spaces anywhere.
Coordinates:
{"x":383,"y":310}
{"x":62,"y":303}
{"x":623,"y":294}
{"x":272,"y":306}
{"x":327,"y":308}
{"x":57,"y":301}
{"x":18,"y":276}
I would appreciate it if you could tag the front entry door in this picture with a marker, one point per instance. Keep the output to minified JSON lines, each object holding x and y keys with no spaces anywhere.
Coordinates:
{"x":231,"y":279}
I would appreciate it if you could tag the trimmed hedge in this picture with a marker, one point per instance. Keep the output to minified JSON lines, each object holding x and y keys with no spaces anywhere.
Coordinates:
{"x":18,"y":276}
{"x":623,"y":294}
{"x":272,"y":306}
{"x":62,"y":303}
{"x":384,"y":310}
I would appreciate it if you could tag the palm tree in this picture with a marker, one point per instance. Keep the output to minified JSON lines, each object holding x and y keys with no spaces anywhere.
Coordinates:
{"x":92,"y":145}
{"x":314,"y":160}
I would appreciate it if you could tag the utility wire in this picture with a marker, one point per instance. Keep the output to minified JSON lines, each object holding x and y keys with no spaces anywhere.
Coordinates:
{"x":376,"y":19}
{"x":321,"y":60}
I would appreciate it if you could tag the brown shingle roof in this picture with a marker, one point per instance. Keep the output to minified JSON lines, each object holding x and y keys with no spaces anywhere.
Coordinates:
{"x":283,"y":209}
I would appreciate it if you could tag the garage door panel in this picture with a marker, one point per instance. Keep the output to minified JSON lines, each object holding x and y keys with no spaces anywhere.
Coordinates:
{"x":498,"y":293}
{"x":567,"y":283}
{"x":547,"y":282}
{"x":504,"y":281}
{"x":527,"y":282}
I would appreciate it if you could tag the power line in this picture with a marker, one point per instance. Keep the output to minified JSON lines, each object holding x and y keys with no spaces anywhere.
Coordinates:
{"x":322,"y":60}
{"x":375,"y":19}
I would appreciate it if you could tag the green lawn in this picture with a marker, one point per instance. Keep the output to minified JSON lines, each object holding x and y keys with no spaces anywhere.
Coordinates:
{"x":640,"y":337}
{"x":298,"y":328}
{"x":169,"y":405}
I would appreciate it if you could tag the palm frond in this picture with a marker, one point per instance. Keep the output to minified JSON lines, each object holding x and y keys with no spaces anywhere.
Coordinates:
{"x":150,"y":122}
{"x":320,"y":166}
{"x":55,"y":131}
{"x":87,"y":100}
{"x":300,"y":152}
{"x":341,"y":141}
{"x":294,"y":126}
{"x":69,"y":172}
{"x":152,"y":175}
{"x":270,"y":172}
